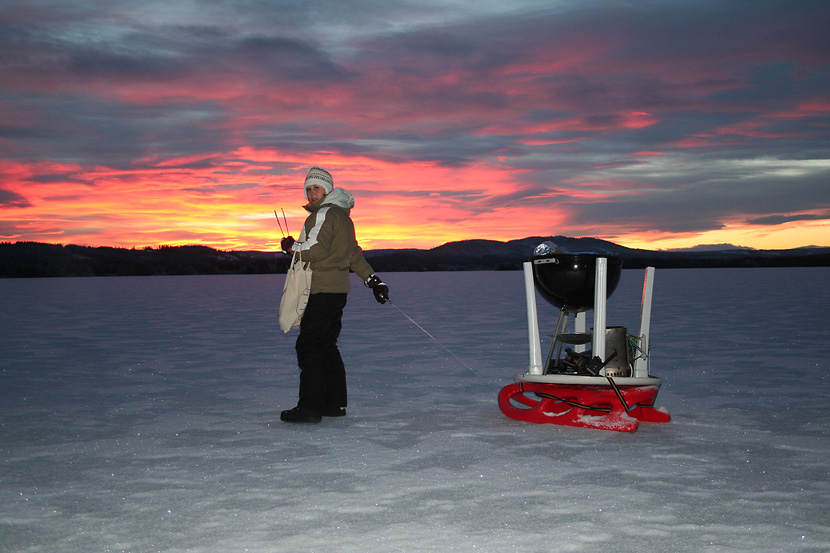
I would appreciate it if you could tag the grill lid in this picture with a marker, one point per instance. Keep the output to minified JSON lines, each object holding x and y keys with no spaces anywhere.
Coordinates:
{"x":566,"y":280}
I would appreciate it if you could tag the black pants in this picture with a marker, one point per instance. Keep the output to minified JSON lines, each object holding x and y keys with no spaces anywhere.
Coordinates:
{"x":322,"y":374}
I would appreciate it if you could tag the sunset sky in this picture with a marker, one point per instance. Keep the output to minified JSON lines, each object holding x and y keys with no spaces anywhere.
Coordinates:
{"x":653,"y":124}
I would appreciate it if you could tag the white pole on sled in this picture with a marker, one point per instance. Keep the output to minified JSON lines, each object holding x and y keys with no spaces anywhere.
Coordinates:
{"x":532,"y":321}
{"x":580,"y":323}
{"x":641,"y":363}
{"x":600,"y":287}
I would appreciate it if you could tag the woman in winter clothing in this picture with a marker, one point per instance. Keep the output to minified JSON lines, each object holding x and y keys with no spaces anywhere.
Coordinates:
{"x":328,"y":242}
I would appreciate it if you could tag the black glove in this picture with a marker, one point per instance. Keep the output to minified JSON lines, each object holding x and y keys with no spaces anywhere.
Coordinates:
{"x":286,"y":244}
{"x":379,"y":288}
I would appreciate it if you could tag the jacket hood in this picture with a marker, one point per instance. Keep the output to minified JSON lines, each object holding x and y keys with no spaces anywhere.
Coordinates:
{"x":338,"y":197}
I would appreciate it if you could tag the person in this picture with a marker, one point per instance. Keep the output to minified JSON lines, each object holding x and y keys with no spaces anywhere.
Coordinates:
{"x":328,"y":242}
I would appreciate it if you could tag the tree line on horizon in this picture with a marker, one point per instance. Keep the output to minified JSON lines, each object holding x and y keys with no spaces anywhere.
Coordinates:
{"x":40,"y":260}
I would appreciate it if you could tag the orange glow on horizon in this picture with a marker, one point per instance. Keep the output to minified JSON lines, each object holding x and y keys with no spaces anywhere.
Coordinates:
{"x":227,"y":202}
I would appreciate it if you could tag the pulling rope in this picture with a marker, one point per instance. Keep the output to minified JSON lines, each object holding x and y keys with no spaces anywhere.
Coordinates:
{"x":434,"y":339}
{"x":568,"y":401}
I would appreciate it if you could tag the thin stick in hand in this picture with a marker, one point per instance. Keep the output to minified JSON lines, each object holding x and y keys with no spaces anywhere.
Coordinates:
{"x":278,"y":222}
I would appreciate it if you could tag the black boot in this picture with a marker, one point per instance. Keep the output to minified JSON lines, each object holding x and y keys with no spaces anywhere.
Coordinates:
{"x":298,"y":415}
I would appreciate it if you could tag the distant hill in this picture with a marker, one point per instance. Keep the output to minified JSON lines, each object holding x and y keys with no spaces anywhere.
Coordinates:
{"x":488,"y":255}
{"x":33,"y":259}
{"x":709,"y":248}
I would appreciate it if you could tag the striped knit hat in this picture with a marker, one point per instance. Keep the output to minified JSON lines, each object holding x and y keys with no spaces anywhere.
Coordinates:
{"x":319,"y":176}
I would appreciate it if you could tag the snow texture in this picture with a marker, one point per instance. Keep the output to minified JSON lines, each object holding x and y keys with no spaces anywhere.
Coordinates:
{"x":142,"y":414}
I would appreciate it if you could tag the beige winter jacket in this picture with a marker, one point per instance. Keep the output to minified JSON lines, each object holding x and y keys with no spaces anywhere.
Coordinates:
{"x":328,"y":242}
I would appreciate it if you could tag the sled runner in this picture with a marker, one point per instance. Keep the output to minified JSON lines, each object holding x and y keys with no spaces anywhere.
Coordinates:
{"x":592,"y":405}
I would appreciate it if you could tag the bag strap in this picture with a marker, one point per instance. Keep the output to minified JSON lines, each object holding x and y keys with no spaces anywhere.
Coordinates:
{"x":299,"y":254}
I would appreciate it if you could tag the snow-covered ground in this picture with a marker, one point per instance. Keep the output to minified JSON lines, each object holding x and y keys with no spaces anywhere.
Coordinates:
{"x":142,"y":414}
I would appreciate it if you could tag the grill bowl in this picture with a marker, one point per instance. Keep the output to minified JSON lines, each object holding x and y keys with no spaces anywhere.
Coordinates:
{"x":566,"y":280}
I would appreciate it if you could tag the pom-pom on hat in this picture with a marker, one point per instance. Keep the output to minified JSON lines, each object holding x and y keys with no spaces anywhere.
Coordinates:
{"x":319,"y":176}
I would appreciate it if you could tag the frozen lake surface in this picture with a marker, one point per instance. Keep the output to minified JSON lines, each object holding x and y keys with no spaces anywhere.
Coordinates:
{"x":142,"y":414}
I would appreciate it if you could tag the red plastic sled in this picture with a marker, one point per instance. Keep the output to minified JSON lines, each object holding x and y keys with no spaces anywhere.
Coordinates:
{"x":605,"y":407}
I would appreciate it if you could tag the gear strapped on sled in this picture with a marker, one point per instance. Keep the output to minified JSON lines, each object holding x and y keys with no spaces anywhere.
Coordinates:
{"x":608,"y":388}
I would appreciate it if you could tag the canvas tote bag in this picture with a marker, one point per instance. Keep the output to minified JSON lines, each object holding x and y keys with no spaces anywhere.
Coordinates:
{"x":295,"y":293}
